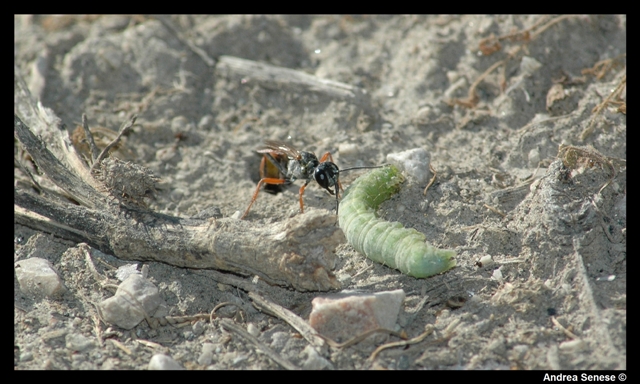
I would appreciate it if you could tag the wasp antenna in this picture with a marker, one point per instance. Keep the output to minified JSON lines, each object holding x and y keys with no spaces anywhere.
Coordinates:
{"x":366,"y":167}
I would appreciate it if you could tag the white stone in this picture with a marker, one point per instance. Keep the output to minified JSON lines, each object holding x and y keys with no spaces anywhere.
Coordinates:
{"x":575,"y":345}
{"x":348,"y":149}
{"x":125,"y":271}
{"x":37,"y":277}
{"x":314,"y":361}
{"x":134,"y":298}
{"x":486,"y":260}
{"x":497,"y":275}
{"x":160,"y":362}
{"x":345,"y":316}
{"x":253,"y":330}
{"x":413,"y":162}
{"x":77,"y":342}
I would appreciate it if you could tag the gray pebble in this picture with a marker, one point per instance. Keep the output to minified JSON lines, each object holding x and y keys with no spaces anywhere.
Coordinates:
{"x":134,"y":297}
{"x":160,"y":362}
{"x":206,"y":357}
{"x":77,"y":342}
{"x":314,"y":360}
{"x":37,"y":277}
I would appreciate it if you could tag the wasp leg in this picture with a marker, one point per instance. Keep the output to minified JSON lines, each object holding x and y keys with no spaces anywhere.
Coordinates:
{"x":301,"y":193}
{"x":266,"y":180}
{"x":326,"y":156}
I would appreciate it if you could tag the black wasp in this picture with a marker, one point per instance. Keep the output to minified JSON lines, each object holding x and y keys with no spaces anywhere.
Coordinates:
{"x":282,"y":164}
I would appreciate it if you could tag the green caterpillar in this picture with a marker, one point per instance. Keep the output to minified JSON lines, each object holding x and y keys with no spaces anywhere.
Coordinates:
{"x":386,"y":242}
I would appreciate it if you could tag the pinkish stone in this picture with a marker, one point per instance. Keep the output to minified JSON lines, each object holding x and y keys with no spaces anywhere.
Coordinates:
{"x":345,"y":316}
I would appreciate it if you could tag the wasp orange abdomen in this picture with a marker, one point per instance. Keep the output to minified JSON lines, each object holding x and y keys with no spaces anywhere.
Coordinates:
{"x":271,"y":171}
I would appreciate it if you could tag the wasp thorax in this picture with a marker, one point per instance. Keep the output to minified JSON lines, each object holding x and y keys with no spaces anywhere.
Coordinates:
{"x":308,"y":162}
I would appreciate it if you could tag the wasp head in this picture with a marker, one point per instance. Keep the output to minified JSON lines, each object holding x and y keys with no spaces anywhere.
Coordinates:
{"x":326,"y":175}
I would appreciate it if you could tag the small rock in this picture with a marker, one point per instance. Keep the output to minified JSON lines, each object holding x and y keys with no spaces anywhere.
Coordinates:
{"x":561,"y":101}
{"x":486,"y":260}
{"x":55,"y":334}
{"x":348,"y":149}
{"x":279,"y":339}
{"x":497,"y":346}
{"x":134,"y":297}
{"x":125,"y":271}
{"x":534,"y":157}
{"x":575,"y":345}
{"x":239,"y":359}
{"x":519,"y":351}
{"x":26,"y":356}
{"x":188,"y":335}
{"x":160,"y":362}
{"x":497,"y":275}
{"x":206,"y":357}
{"x":346,"y":316}
{"x":414,"y":163}
{"x":253,"y":330}
{"x":314,"y":360}
{"x":529,"y":65}
{"x":37,"y":277}
{"x":77,"y":342}
{"x":198,"y":328}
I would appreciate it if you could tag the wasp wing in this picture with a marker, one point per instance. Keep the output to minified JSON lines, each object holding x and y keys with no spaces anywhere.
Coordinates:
{"x":280,"y":148}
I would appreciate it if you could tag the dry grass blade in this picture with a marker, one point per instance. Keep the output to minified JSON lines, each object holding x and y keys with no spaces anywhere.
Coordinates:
{"x":125,"y":127}
{"x":95,"y":152}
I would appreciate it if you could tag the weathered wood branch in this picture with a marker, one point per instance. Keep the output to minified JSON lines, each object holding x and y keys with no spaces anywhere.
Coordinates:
{"x":297,"y":82}
{"x":279,"y":78}
{"x":55,"y":170}
{"x":297,"y":253}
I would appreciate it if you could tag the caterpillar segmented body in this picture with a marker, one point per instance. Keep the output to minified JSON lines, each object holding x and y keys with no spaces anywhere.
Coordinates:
{"x":386,"y":242}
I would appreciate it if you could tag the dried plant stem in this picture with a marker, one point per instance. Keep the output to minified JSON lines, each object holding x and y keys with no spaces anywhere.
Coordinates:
{"x":232,"y":327}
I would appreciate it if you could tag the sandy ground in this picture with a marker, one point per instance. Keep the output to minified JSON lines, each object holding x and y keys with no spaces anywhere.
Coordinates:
{"x":549,"y":224}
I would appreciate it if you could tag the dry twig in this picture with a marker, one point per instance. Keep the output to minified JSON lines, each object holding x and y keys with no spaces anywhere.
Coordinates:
{"x":600,"y":107}
{"x":232,"y":327}
{"x":292,"y":319}
{"x":428,"y":330}
{"x":362,"y":337}
{"x":563,"y":329}
{"x":494,"y":210}
{"x":491,"y":44}
{"x":433,"y":179}
{"x":575,"y":157}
